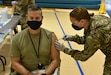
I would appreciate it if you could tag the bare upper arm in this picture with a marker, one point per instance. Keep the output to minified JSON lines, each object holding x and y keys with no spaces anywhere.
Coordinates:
{"x":55,"y":54}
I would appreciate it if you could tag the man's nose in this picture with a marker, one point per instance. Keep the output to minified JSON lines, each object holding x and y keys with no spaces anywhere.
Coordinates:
{"x":34,"y":19}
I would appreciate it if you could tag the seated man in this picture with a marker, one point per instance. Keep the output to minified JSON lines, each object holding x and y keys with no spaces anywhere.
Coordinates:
{"x":33,"y":48}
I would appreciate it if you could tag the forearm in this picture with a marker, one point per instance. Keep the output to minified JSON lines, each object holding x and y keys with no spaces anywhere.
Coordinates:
{"x":76,"y":54}
{"x":78,"y":39}
{"x":53,"y":65}
{"x":19,"y":68}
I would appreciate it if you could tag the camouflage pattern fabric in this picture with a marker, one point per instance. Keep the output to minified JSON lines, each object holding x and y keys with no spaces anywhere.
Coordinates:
{"x":21,"y":7}
{"x":97,"y":36}
{"x":107,"y":70}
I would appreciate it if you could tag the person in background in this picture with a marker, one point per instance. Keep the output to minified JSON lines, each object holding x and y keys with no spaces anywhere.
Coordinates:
{"x":97,"y":35}
{"x":20,"y":8}
{"x":33,"y":48}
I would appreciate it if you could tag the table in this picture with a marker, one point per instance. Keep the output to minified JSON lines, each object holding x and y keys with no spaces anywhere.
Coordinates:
{"x":6,"y":29}
{"x":109,"y":13}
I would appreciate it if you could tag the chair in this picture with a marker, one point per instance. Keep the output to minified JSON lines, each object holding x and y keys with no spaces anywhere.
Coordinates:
{"x":3,"y":60}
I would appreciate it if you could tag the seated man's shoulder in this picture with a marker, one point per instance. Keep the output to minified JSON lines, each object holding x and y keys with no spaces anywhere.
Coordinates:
{"x":21,"y":34}
{"x":47,"y":31}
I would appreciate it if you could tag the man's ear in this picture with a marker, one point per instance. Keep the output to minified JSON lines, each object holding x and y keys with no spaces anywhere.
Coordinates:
{"x":42,"y":18}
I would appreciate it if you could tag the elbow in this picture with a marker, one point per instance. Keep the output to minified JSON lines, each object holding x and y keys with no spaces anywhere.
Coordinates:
{"x":86,"y":56}
{"x":82,"y":58}
{"x":13,"y":66}
{"x":59,"y":62}
{"x":80,"y":42}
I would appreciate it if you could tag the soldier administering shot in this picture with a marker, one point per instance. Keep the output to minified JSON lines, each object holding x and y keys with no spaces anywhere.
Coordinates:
{"x":97,"y":35}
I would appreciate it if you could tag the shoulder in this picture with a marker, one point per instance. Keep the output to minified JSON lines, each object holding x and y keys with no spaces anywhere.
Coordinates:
{"x":100,"y":26}
{"x":48,"y":32}
{"x":20,"y":35}
{"x":99,"y":21}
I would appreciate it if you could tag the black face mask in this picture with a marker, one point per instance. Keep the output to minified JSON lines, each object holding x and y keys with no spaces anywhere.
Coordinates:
{"x":34,"y":24}
{"x":76,"y":27}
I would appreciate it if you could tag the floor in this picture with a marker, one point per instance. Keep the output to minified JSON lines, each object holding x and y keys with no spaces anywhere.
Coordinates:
{"x":57,"y":20}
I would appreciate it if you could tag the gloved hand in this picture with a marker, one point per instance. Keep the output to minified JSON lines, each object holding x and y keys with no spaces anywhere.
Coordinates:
{"x":64,"y":49}
{"x":68,"y":38}
{"x":59,"y":46}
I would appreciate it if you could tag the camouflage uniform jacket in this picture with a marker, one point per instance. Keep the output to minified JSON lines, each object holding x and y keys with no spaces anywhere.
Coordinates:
{"x":97,"y":36}
{"x":21,"y":6}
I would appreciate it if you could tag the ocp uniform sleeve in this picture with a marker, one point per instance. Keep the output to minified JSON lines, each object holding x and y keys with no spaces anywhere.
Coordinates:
{"x":78,"y":39}
{"x":22,"y":3}
{"x":31,"y":2}
{"x":22,"y":6}
{"x":25,"y":2}
{"x":91,"y":45}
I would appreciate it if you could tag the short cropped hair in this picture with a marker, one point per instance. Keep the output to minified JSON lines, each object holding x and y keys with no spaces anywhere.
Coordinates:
{"x":34,"y":7}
